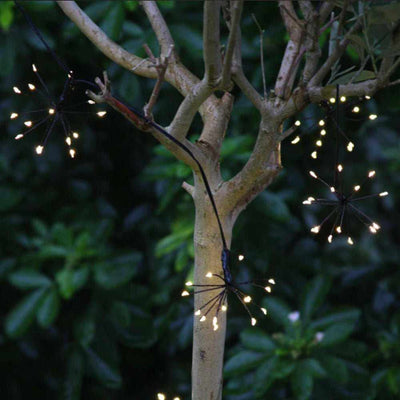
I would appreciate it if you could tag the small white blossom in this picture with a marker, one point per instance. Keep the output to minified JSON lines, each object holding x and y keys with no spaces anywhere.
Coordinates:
{"x":319,"y":336}
{"x":294,"y":316}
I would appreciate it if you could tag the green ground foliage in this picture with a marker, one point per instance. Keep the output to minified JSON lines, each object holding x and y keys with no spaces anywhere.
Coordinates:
{"x":94,"y":251}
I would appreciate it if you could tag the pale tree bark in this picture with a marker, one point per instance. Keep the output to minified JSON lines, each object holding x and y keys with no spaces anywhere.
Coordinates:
{"x":293,"y":91}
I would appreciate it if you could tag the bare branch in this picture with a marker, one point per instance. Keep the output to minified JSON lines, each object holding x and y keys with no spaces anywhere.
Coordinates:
{"x":261,"y":31}
{"x":188,"y":109}
{"x":290,"y":60}
{"x":211,"y":42}
{"x":108,"y":47}
{"x":189,"y":188}
{"x":325,"y":10}
{"x":159,"y":26}
{"x":236,"y":7}
{"x":105,"y":96}
{"x":161,"y":66}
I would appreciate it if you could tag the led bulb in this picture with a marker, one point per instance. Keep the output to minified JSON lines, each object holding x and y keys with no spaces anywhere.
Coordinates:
{"x":34,"y":69}
{"x":101,"y":114}
{"x":330,"y":237}
{"x":368,"y":97}
{"x":321,"y":122}
{"x":247,"y":299}
{"x":189,"y":283}
{"x":268,"y":289}
{"x":383,"y":194}
{"x":215,"y":321}
{"x":224,"y":308}
{"x":356,"y":109}
{"x":371,"y":174}
{"x":271,"y":281}
{"x":75,"y":135}
{"x":295,"y":140}
{"x":185,"y":293}
{"x":52,"y":111}
{"x":203,"y":318}
{"x":16,"y":90}
{"x":373,"y":117}
{"x":372,"y":229}
{"x":31,"y":86}
{"x":39,"y":150}
{"x":350,"y":241}
{"x":253,"y":321}
{"x":332,"y":189}
{"x":376,"y":226}
{"x":197,"y":313}
{"x":339,"y":229}
{"x":323,"y":132}
{"x":28,"y":123}
{"x":332,"y":100}
{"x":241,"y":257}
{"x":297,"y":123}
{"x":313,"y":174}
{"x":350,"y":146}
{"x":264,"y":310}
{"x":209,"y":275}
{"x":72,"y":153}
{"x":160,"y":396}
{"x":315,"y":229}
{"x":340,"y":167}
{"x":68,"y":140}
{"x":357,"y":188}
{"x":314,"y":155}
{"x":318,"y":143}
{"x":13,"y":115}
{"x":215,"y":327}
{"x":91,"y":102}
{"x":343,"y":99}
{"x":19,"y":136}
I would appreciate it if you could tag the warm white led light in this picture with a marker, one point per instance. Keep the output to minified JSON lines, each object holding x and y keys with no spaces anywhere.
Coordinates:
{"x":318,"y":143}
{"x":330,"y":237}
{"x":315,"y":229}
{"x":357,"y":188}
{"x":198,"y":312}
{"x":13,"y":115}
{"x":91,"y":102}
{"x":203,"y":318}
{"x":224,"y":308}
{"x":189,"y":283}
{"x":332,"y":100}
{"x":241,"y":257}
{"x":340,"y":167}
{"x":343,"y":99}
{"x":264,"y":310}
{"x":313,"y":174}
{"x":31,"y":86}
{"x":160,"y":396}
{"x":209,"y":275}
{"x":332,"y":189}
{"x":339,"y":229}
{"x":34,"y":68}
{"x":185,"y":293}
{"x":376,"y":226}
{"x":295,"y":140}
{"x":247,"y":299}
{"x":350,"y":146}
{"x":19,"y":136}
{"x":371,"y":174}
{"x":268,"y":289}
{"x":368,"y":97}
{"x":52,"y":111}
{"x":75,"y":135}
{"x":321,"y":122}
{"x":72,"y":153}
{"x":323,"y":132}
{"x":253,"y":321}
{"x":101,"y":114}
{"x":356,"y":109}
{"x":68,"y":140}
{"x":383,"y":194}
{"x":297,"y":123}
{"x":39,"y":150}
{"x":350,"y":241}
{"x":28,"y":123}
{"x":16,"y":90}
{"x":314,"y":154}
{"x":271,"y":281}
{"x":372,"y":117}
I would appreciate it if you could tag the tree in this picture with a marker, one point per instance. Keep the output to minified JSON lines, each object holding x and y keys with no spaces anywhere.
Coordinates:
{"x":297,"y":85}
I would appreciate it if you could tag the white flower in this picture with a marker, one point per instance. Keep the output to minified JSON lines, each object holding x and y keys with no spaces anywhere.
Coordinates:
{"x":294,"y":316}
{"x":319,"y":336}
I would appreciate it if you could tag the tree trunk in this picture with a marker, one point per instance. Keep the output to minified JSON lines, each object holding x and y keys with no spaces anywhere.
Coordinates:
{"x":208,"y":345}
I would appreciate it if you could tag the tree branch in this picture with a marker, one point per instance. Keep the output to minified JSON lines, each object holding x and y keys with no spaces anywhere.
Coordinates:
{"x":236,"y":7}
{"x":211,"y":42}
{"x":159,"y":26}
{"x":105,"y":96}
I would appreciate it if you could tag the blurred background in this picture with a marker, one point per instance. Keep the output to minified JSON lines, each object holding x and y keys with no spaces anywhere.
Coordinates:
{"x":94,"y":251}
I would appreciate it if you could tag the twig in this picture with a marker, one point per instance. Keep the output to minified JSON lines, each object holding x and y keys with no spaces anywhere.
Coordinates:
{"x":189,"y":188}
{"x":211,"y":42}
{"x":237,"y":7}
{"x":161,"y":65}
{"x":261,"y":31}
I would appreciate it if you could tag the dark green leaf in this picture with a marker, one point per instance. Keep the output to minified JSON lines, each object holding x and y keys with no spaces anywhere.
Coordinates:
{"x":314,"y":367}
{"x":264,"y":376}
{"x":74,"y":376}
{"x":351,"y":316}
{"x":301,"y":382}
{"x":256,"y":339}
{"x":106,"y":374}
{"x":313,"y":296}
{"x":28,"y":279}
{"x":84,"y":330}
{"x":20,"y":318}
{"x":112,"y":23}
{"x":336,"y":368}
{"x":9,"y":198}
{"x":49,"y":308}
{"x":242,"y":361}
{"x":6,"y":14}
{"x":337,"y":333}
{"x":346,"y":78}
